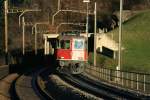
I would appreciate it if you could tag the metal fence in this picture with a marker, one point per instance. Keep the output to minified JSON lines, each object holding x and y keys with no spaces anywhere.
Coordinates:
{"x":138,"y":82}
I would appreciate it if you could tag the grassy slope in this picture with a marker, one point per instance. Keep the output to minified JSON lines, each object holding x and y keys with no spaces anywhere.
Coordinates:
{"x":136,"y":40}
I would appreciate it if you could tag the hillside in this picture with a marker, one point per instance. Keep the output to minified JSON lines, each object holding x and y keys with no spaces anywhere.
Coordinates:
{"x":104,"y":9}
{"x":136,"y":39}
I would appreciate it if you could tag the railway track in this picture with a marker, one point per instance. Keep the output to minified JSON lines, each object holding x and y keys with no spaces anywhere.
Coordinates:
{"x":118,"y":91}
{"x":7,"y":87}
{"x":61,"y":90}
{"x":40,"y":80}
{"x":97,"y":89}
{"x":29,"y":86}
{"x":58,"y":89}
{"x":44,"y":85}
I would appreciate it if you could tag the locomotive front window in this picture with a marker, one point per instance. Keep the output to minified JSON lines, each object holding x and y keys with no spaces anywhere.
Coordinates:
{"x":65,"y":44}
{"x":79,"y":44}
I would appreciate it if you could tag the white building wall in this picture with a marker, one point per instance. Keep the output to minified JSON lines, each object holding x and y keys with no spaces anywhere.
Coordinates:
{"x":104,"y":40}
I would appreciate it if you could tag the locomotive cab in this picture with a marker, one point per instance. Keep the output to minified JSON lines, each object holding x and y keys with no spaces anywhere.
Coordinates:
{"x":71,"y":53}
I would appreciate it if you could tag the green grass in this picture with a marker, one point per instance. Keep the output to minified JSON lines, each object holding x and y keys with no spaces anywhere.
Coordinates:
{"x":102,"y":61}
{"x":136,"y":41}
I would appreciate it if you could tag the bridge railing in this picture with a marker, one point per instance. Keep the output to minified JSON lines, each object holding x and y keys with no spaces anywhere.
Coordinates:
{"x":132,"y":81}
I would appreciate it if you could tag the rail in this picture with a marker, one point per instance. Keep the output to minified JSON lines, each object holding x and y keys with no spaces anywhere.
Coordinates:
{"x":132,"y":81}
{"x":4,"y":71}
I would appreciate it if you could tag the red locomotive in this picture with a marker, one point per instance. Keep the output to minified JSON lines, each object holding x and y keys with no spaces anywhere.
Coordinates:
{"x":71,"y":52}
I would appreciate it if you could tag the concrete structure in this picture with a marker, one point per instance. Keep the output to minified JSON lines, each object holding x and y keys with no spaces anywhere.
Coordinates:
{"x":106,"y":41}
{"x":103,"y":40}
{"x":47,"y":44}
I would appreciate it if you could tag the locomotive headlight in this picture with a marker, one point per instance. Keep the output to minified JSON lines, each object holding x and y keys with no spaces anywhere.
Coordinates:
{"x":61,"y":57}
{"x":62,"y":63}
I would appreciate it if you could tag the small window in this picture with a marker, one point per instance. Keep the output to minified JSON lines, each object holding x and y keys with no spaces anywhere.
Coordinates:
{"x":107,"y":52}
{"x":79,"y":44}
{"x":65,"y":44}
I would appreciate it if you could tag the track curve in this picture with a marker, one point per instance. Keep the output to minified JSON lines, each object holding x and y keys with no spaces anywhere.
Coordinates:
{"x":6,"y":86}
{"x":28,"y":86}
{"x":96,"y":88}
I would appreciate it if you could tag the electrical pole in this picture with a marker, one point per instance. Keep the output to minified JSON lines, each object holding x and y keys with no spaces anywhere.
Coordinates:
{"x":25,"y":11}
{"x":36,"y":32}
{"x":87,"y":20}
{"x":6,"y":31}
{"x":35,"y":39}
{"x":120,"y":36}
{"x":45,"y":45}
{"x":23,"y":35}
{"x":120,"y":42}
{"x":58,"y":5}
{"x":95,"y":34}
{"x":7,"y":11}
{"x":87,"y":24}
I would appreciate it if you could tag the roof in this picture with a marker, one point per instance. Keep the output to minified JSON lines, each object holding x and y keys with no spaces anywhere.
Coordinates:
{"x":66,"y":37}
